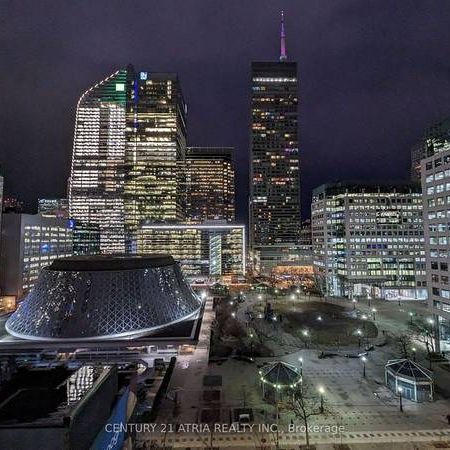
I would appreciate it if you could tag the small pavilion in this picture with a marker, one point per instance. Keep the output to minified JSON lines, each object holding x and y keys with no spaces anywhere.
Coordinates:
{"x":277,"y":378}
{"x":409,"y":378}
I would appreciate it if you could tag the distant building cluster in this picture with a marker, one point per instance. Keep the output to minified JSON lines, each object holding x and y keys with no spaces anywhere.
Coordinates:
{"x":137,"y":187}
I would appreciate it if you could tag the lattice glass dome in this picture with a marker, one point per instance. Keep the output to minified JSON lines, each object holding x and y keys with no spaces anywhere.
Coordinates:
{"x":104,"y":297}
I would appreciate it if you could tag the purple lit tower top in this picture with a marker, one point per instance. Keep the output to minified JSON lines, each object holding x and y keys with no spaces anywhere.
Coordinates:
{"x":283,"y":55}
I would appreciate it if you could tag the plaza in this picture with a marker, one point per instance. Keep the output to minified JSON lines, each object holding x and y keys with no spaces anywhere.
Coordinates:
{"x":360,"y":408}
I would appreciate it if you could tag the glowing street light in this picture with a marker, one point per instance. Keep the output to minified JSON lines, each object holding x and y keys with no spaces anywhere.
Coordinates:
{"x":373,"y":313}
{"x":319,"y":318}
{"x":364,"y":360}
{"x":300,"y":360}
{"x":306,"y":334}
{"x":233,"y":315}
{"x":354,"y":303}
{"x":364,"y":317}
{"x":411,"y":314}
{"x":359,"y":334}
{"x":414,"y":353}
{"x":400,"y":391}
{"x":321,"y":392}
{"x":293,"y":297}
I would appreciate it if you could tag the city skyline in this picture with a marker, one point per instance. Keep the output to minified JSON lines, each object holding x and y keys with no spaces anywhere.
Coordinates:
{"x":380,"y":103}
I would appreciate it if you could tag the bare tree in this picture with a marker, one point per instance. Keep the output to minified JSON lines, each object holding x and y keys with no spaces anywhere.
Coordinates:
{"x":305,"y":403}
{"x":403,"y":342}
{"x":424,"y":332}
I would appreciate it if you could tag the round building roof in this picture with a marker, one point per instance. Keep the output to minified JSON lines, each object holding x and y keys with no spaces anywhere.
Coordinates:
{"x":280,"y":374}
{"x":110,"y":262}
{"x":408,"y":369}
{"x":105,"y":297}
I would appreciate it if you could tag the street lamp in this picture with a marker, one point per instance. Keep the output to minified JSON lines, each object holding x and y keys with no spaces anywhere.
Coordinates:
{"x":300,"y":360}
{"x":364,"y":360}
{"x":305,"y":333}
{"x":321,"y":392}
{"x":364,"y":317}
{"x":233,"y":315}
{"x":319,"y":318}
{"x":411,"y":314}
{"x":373,"y":313}
{"x":354,"y":303}
{"x":400,"y":390}
{"x":359,"y":333}
{"x":293,"y":297}
{"x":414,"y":353}
{"x":259,"y":297}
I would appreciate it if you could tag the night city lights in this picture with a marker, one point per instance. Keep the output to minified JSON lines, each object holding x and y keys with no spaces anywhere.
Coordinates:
{"x":225,"y":225}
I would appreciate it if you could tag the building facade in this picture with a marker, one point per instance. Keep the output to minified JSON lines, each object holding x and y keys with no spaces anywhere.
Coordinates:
{"x":155,"y":149}
{"x":368,"y":240}
{"x":29,"y":243}
{"x":274,"y":158}
{"x":210,"y":184}
{"x":97,"y":173}
{"x":209,"y":249}
{"x":418,"y":152}
{"x":54,"y":207}
{"x":436,"y":207}
{"x":130,"y":134}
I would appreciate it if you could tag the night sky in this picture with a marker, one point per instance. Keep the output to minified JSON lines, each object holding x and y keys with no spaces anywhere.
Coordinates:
{"x":373,"y":74}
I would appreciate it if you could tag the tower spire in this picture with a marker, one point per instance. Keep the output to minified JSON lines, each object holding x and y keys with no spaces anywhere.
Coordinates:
{"x":283,"y":55}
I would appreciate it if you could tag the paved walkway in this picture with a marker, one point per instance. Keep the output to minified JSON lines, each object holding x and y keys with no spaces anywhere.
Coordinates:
{"x":187,"y":378}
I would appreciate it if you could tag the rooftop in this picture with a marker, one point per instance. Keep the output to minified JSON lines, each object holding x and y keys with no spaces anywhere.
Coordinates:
{"x":110,"y":262}
{"x":409,"y":369}
{"x":45,"y":397}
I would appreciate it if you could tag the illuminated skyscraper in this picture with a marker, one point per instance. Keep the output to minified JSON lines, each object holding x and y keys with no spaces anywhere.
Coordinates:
{"x":130,"y":135}
{"x":155,"y":147}
{"x":210,"y":191}
{"x":97,"y":173}
{"x":274,"y":157}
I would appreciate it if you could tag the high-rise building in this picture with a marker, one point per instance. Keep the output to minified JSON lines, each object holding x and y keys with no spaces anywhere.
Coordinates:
{"x":210,"y":249}
{"x":437,"y":137}
{"x":29,"y":243}
{"x":418,"y":152}
{"x":97,"y":172}
{"x":274,"y":158}
{"x":436,"y":212}
{"x":86,"y":238}
{"x":368,"y":240}
{"x":155,"y":147}
{"x":130,"y":134}
{"x":210,"y":188}
{"x":54,"y":207}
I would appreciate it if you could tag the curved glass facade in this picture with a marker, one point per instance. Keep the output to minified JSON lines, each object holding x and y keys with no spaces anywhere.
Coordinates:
{"x":104,"y":304}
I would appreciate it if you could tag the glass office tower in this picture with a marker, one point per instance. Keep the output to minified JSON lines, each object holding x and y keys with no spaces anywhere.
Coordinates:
{"x":130,"y":136}
{"x":210,"y":191}
{"x":155,"y":146}
{"x":274,"y":158}
{"x":97,"y":174}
